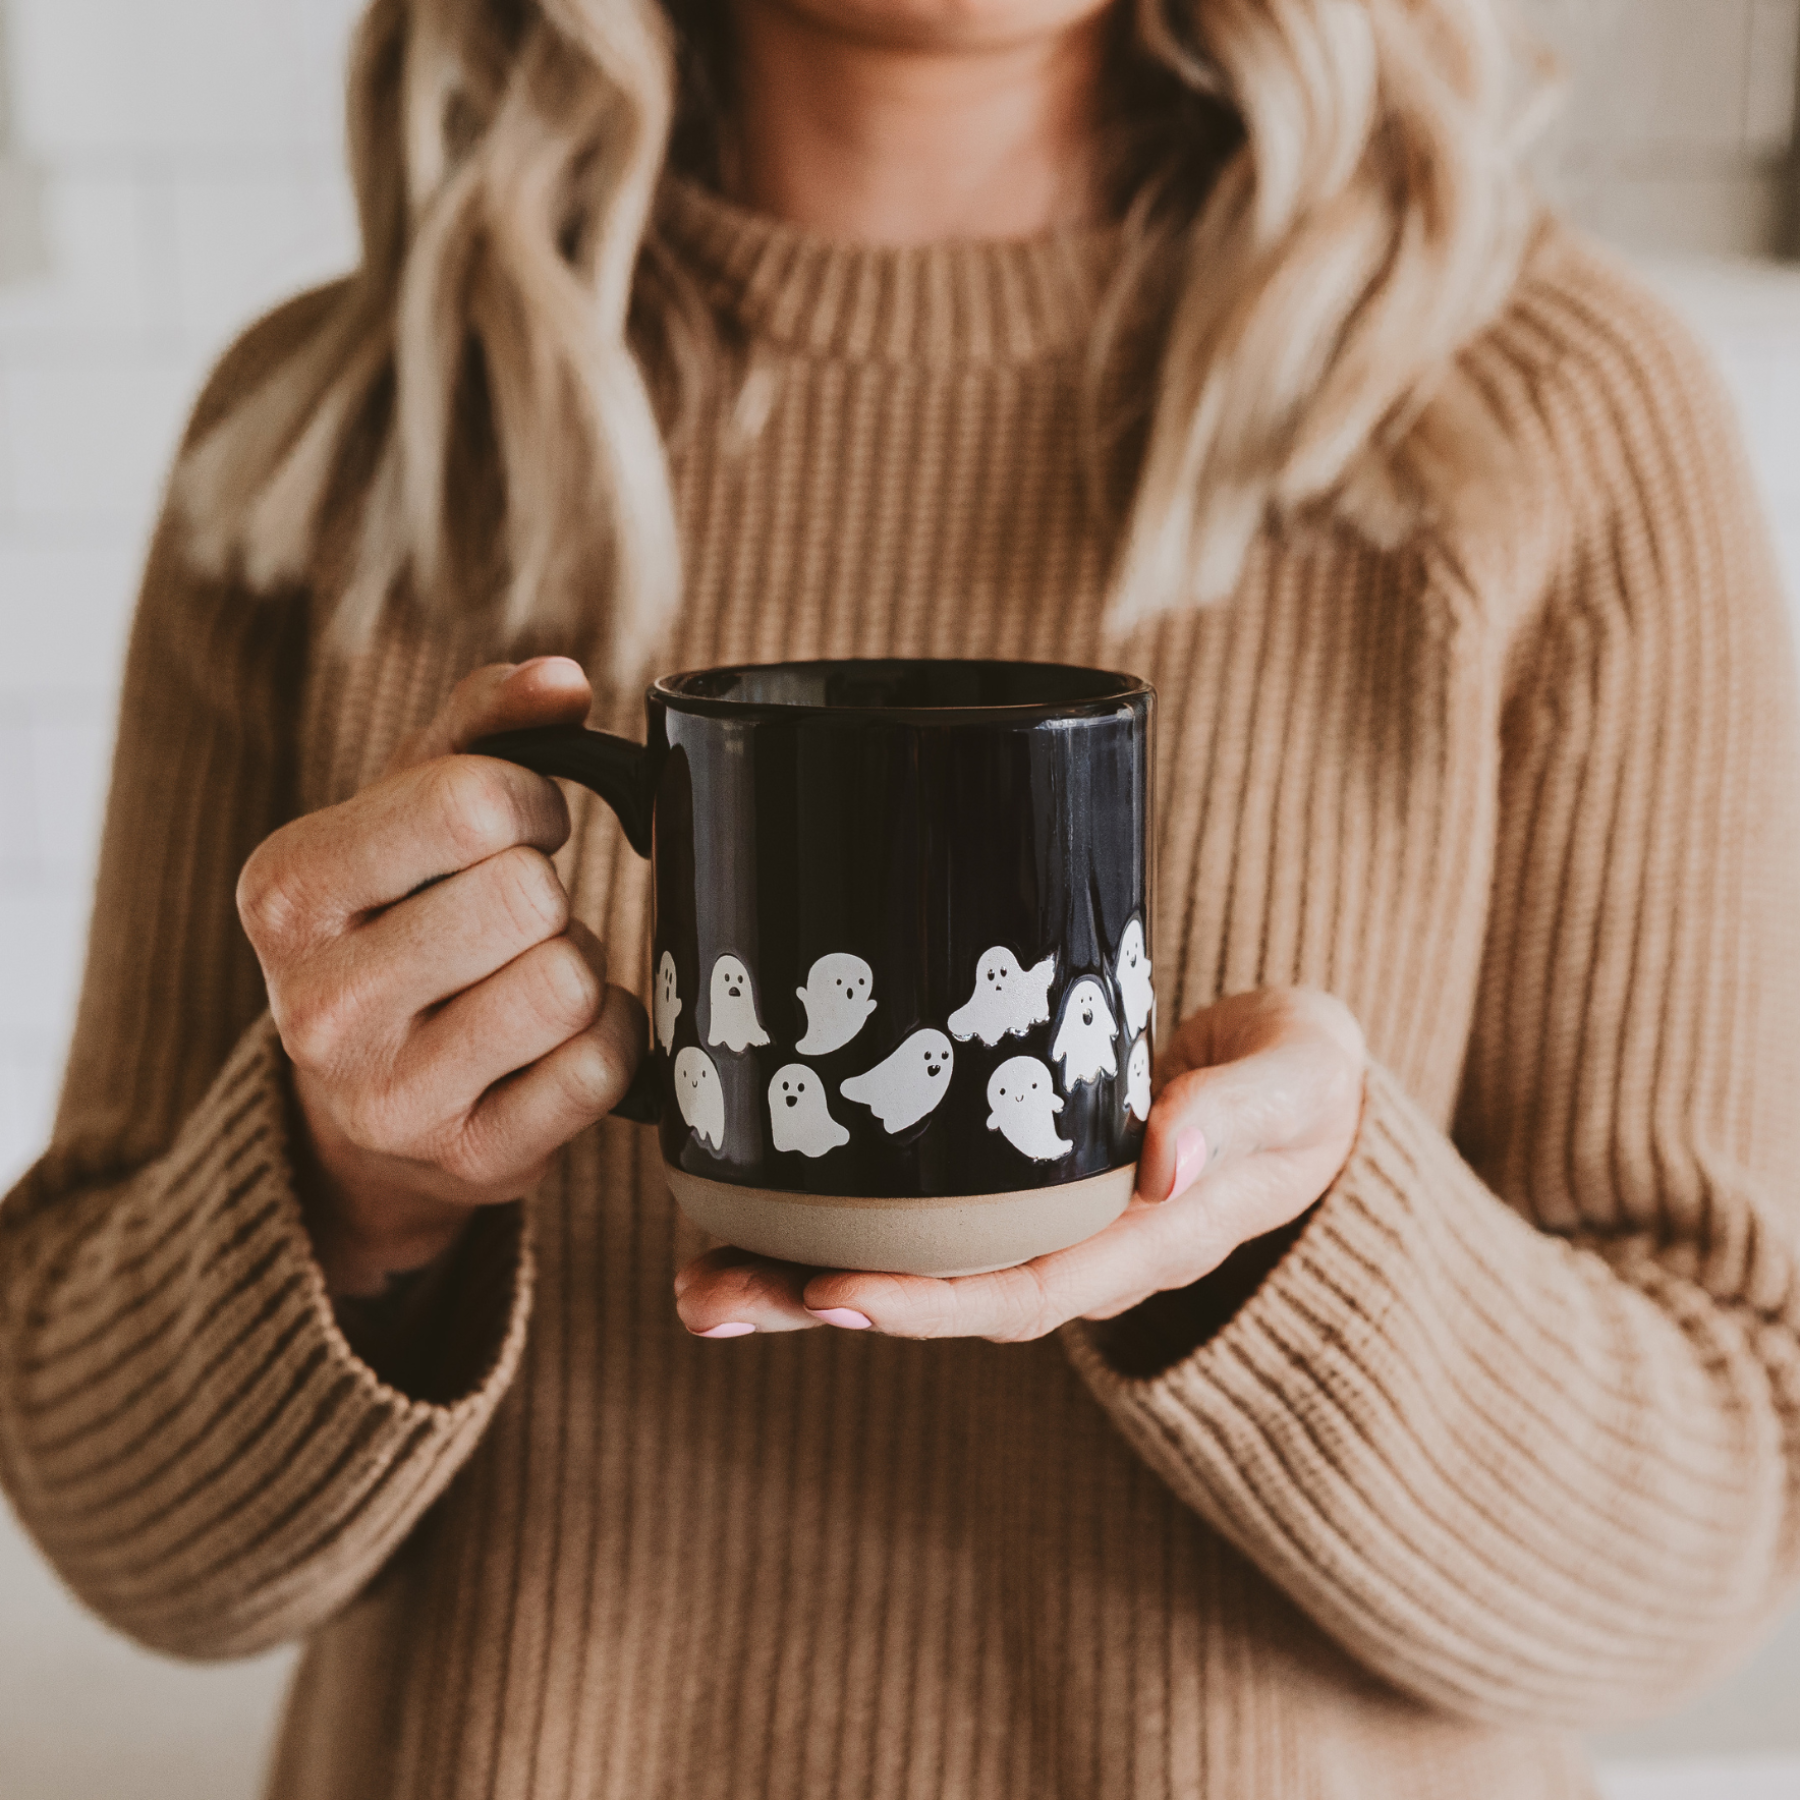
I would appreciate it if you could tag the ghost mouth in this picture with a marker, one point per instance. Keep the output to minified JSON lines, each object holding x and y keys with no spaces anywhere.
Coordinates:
{"x":933,"y":1069}
{"x":793,"y":1099}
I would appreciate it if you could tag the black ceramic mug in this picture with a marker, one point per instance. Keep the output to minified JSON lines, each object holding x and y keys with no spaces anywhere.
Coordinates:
{"x":901,"y":996}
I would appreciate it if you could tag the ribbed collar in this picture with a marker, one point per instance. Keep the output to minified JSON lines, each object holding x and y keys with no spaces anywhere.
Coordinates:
{"x":964,"y":300}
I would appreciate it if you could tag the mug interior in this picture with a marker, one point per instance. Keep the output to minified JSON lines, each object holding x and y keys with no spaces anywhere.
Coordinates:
{"x":904,"y":686}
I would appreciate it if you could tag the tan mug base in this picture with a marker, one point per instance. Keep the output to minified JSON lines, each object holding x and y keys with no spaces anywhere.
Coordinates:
{"x":968,"y":1235}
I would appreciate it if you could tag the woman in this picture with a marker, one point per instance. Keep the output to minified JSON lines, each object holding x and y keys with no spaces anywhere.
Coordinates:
{"x":1433,"y":1399}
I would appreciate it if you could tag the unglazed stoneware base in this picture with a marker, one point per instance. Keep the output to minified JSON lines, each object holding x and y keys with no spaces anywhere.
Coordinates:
{"x":968,"y":1235}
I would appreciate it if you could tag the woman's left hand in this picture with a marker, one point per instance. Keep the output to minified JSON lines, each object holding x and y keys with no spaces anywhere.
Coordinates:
{"x":1258,"y":1102}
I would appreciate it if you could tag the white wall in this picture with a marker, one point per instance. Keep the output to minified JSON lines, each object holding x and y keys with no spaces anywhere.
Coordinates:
{"x":1682,"y":131}
{"x":184,"y":154}
{"x":185,"y":157}
{"x":182,"y":157}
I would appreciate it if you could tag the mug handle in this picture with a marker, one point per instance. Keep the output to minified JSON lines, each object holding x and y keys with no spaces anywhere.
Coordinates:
{"x":621,"y":773}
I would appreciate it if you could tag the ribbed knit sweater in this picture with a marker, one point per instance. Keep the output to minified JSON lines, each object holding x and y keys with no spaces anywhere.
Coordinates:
{"x":1506,"y":1443}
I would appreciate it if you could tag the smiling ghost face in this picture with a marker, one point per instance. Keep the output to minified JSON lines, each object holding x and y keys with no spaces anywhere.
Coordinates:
{"x":701,"y":1096}
{"x":799,"y":1119}
{"x":734,"y":1023}
{"x":1132,"y":972}
{"x":909,"y":1084}
{"x":1023,"y":1105}
{"x":839,"y":995}
{"x":666,"y":1002}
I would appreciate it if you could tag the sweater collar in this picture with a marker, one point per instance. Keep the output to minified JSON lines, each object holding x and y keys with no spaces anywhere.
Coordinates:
{"x":962,"y":300}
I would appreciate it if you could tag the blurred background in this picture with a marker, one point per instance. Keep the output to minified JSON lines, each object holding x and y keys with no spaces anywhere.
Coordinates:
{"x":168,"y":169}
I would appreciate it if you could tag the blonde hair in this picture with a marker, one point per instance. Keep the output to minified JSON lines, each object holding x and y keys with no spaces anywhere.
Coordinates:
{"x":475,"y":398}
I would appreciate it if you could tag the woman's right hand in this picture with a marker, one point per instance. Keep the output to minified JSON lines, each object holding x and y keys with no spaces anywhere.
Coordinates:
{"x":449,"y":1024}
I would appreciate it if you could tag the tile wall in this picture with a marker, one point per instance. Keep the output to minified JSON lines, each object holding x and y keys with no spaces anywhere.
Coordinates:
{"x":181,"y":166}
{"x":1680,"y":134}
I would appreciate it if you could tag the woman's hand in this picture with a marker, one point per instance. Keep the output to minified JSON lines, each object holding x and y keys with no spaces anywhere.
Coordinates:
{"x":1258,"y":1104}
{"x":449,"y":1024}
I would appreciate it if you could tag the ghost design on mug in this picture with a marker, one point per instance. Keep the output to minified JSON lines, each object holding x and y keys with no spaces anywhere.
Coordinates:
{"x":1084,"y":1044}
{"x":1137,"y":1079}
{"x":666,"y":1002}
{"x":700,"y":1096}
{"x":1133,"y":976}
{"x":1022,"y":1094}
{"x":734,"y":1021}
{"x":908,"y":1085}
{"x":839,"y":995}
{"x":799,"y":1119}
{"x":1007,"y":1000}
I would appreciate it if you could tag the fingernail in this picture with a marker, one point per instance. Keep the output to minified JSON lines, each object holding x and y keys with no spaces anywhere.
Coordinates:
{"x":1190,"y":1159}
{"x":734,"y":1329}
{"x":843,"y":1318}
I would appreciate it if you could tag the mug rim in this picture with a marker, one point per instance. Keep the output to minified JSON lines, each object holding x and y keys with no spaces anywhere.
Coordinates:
{"x":1117,"y":687}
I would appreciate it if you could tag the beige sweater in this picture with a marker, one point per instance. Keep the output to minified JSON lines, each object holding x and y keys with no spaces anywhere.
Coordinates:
{"x":1507,"y":1443}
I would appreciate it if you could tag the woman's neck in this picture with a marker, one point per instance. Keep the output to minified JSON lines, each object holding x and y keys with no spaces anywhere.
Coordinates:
{"x":889,"y":140}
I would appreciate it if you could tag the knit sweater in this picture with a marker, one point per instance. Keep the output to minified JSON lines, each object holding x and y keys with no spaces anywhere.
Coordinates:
{"x":1505,"y":1444}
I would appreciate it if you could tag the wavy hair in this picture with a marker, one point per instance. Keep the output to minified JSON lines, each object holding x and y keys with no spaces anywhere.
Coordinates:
{"x":476,"y":401}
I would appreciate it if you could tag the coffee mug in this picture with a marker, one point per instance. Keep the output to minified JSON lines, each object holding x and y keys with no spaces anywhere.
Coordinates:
{"x":901,"y":988}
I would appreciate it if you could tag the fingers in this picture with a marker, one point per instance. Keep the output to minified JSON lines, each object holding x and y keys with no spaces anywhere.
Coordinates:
{"x":730,"y":1293}
{"x":437,"y":943}
{"x":314,"y":876}
{"x":1145,"y":1248}
{"x":539,"y":1001}
{"x":1285,"y":1075}
{"x":528,"y":1116}
{"x":1139,"y":1252}
{"x":548,"y":690}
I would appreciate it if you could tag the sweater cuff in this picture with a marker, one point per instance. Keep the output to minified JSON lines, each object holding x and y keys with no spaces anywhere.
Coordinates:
{"x":1304,"y":1429}
{"x":196,"y":1444}
{"x":1432,"y":1427}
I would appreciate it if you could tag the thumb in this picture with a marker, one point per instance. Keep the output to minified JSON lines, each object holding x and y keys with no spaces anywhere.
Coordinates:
{"x":548,"y":690}
{"x":1277,"y":1099}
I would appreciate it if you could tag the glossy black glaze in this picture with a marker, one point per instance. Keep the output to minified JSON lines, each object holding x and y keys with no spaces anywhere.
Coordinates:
{"x":914,"y":815}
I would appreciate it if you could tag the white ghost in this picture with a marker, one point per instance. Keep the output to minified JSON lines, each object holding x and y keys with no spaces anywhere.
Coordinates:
{"x":1007,"y":1000}
{"x":734,"y":1021}
{"x":700,"y":1096}
{"x":667,"y":1002}
{"x":1023,"y":1094}
{"x":798,"y":1116}
{"x":1133,"y":976}
{"x":1084,"y":1045}
{"x":1137,"y":1079}
{"x":909,"y":1084}
{"x":839,"y":996}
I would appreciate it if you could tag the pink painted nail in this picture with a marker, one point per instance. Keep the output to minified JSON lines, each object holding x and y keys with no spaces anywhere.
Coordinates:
{"x":733,"y":1329}
{"x":843,"y":1318}
{"x":1190,"y":1159}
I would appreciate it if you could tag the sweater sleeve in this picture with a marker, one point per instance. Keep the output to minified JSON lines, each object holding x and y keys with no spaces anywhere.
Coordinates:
{"x":1516,"y":1418}
{"x":184,"y":1429}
